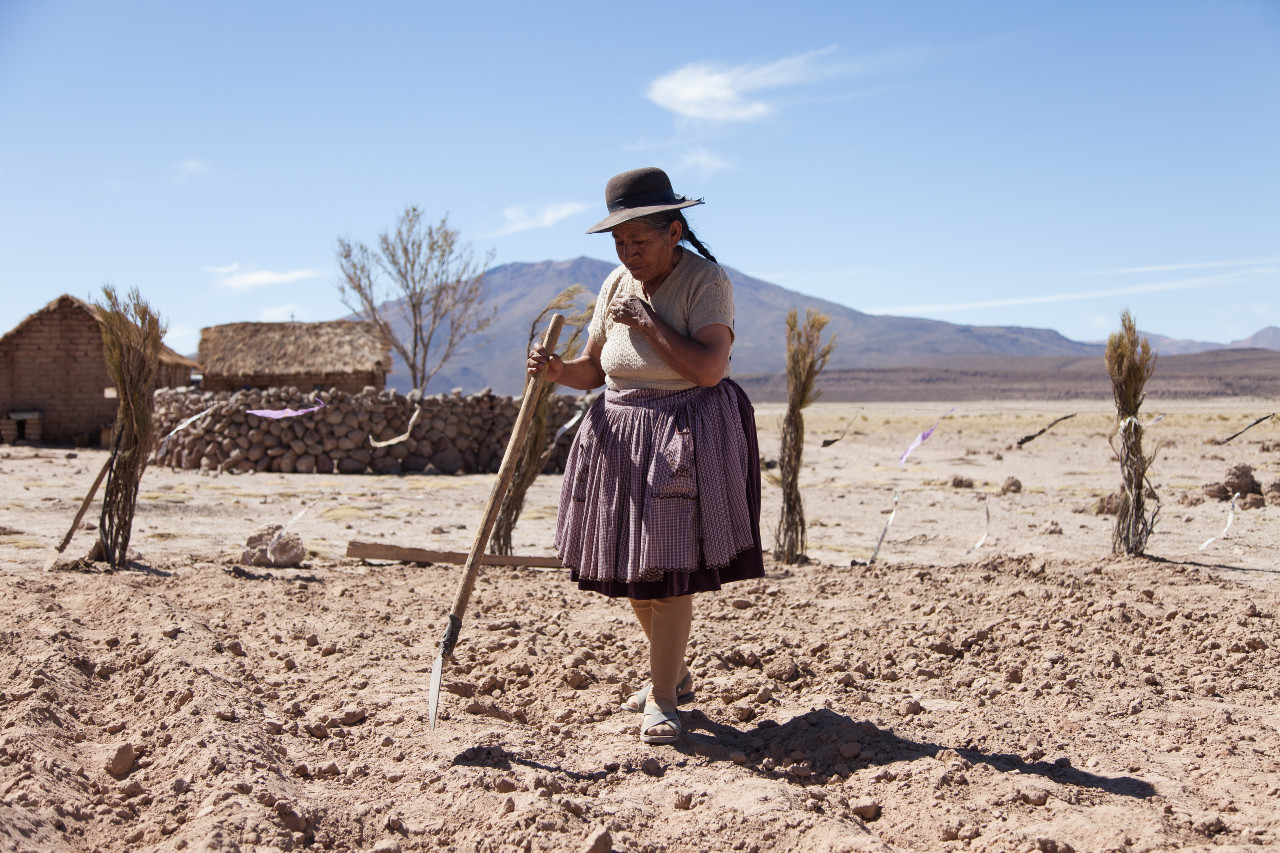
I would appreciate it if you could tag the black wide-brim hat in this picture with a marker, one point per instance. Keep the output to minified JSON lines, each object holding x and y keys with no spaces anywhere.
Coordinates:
{"x":637,"y":193}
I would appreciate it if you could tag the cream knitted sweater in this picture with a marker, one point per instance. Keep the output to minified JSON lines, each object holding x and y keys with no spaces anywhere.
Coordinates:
{"x":697,"y":293}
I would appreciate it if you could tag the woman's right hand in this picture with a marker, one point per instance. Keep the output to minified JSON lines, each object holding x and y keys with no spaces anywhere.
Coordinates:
{"x":551,"y":364}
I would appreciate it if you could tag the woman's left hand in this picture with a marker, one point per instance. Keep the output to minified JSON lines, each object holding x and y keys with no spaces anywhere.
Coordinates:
{"x":630,"y":311}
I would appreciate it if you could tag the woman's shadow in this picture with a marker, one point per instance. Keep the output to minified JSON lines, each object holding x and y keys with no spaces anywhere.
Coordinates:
{"x":811,"y":744}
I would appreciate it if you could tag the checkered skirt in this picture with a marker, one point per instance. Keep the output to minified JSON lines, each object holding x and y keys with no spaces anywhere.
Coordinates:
{"x":657,"y":482}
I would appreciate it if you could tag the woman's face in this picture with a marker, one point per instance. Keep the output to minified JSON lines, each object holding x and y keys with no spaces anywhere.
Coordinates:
{"x":647,"y":254}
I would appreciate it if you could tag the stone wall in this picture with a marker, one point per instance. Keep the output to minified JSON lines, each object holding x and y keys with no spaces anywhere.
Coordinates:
{"x":453,"y":434}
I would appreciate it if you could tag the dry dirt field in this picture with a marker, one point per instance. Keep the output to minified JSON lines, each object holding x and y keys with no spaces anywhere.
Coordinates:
{"x":1030,"y":694}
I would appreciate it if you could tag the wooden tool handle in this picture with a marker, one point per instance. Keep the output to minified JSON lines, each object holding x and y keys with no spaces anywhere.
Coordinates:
{"x":515,"y":447}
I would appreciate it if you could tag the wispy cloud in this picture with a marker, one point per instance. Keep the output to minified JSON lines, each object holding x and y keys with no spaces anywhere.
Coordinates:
{"x":1173,"y":267}
{"x":519,"y":218}
{"x":230,"y":277}
{"x":1047,"y":298}
{"x":703,"y":163}
{"x":188,"y":169}
{"x":721,"y":93}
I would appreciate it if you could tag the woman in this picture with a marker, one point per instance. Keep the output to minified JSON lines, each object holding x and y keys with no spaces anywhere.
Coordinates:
{"x":661,"y":493}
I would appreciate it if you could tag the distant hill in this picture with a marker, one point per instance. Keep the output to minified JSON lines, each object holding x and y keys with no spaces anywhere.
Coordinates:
{"x":1219,"y":373}
{"x":520,"y":291}
{"x":1268,"y":338}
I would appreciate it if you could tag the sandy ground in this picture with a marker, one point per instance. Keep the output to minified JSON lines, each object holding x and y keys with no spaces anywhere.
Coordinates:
{"x":1030,"y":694}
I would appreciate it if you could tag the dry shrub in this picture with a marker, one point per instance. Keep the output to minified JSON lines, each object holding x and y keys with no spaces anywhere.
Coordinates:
{"x":537,"y":449}
{"x":806,"y":359}
{"x":1012,"y":485}
{"x":132,"y":337}
{"x":1130,"y":363}
{"x":960,"y":482}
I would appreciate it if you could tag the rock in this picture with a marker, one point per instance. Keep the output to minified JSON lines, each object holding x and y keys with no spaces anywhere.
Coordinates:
{"x":850,"y":750}
{"x":959,"y":482}
{"x":1051,"y":529}
{"x":387,"y":845}
{"x":1033,"y":796}
{"x":271,"y":545}
{"x":352,"y":715}
{"x":684,"y":800}
{"x":505,"y":785}
{"x":121,"y":762}
{"x":910,"y":707}
{"x":171,"y":632}
{"x":741,"y":604}
{"x":1012,"y":486}
{"x":866,"y":808}
{"x":652,"y":767}
{"x":782,"y":668}
{"x":1210,"y":826}
{"x":1252,"y":501}
{"x":598,"y":841}
{"x":1013,"y":675}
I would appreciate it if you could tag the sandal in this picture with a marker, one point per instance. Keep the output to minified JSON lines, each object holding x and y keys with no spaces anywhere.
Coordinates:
{"x":684,"y":695}
{"x":659,"y":718}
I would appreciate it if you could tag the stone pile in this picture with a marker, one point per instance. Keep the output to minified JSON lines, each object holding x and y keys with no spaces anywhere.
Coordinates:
{"x":454,"y":434}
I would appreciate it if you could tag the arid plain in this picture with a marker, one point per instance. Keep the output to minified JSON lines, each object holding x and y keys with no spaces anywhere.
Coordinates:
{"x":1032,"y":693}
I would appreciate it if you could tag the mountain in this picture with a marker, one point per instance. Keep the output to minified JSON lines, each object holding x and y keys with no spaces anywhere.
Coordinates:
{"x":519,"y":291}
{"x":1268,"y":338}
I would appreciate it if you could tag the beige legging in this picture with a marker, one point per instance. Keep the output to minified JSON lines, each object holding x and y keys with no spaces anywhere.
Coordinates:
{"x":666,"y":622}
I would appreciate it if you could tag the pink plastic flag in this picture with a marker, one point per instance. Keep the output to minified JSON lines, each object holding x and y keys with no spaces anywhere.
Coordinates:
{"x":922,"y":438}
{"x":276,"y":414}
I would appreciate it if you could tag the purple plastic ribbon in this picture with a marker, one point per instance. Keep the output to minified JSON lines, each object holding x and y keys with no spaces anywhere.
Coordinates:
{"x":922,"y":438}
{"x":276,"y":414}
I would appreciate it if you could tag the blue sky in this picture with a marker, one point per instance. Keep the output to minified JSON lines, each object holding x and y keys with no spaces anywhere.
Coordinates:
{"x":1035,"y":164}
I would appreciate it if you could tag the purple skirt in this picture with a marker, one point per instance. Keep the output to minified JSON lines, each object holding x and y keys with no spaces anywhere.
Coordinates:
{"x":661,"y":493}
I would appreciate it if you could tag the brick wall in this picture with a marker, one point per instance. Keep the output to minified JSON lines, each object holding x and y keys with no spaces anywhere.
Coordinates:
{"x":54,"y":365}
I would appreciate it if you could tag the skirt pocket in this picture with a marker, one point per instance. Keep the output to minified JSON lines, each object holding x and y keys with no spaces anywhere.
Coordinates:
{"x":672,"y":474}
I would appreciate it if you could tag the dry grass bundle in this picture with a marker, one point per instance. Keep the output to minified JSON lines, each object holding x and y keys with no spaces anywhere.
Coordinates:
{"x":536,"y":451}
{"x":806,"y":358}
{"x":1130,"y":363}
{"x":132,"y":342}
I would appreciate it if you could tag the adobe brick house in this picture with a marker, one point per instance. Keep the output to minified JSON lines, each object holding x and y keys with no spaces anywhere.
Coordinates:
{"x":53,"y":376}
{"x":343,"y":354}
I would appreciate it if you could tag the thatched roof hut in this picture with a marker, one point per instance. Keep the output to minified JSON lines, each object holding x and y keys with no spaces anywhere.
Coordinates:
{"x":343,"y":354}
{"x":54,"y":382}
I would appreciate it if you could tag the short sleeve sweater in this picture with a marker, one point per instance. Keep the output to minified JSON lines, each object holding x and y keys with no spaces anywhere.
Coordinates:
{"x":697,"y":293}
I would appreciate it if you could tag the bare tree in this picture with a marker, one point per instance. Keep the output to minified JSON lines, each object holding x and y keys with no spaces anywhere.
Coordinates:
{"x":806,"y":358}
{"x":432,"y":279}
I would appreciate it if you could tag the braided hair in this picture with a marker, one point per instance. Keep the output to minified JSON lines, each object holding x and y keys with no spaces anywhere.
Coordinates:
{"x":661,"y":220}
